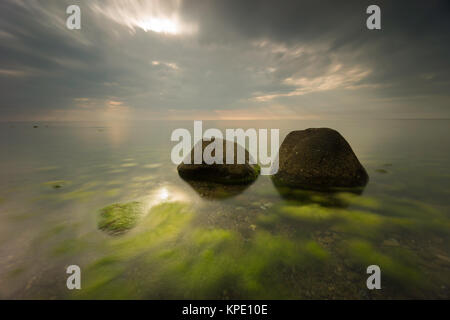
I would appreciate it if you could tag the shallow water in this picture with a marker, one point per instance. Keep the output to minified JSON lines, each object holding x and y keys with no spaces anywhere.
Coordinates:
{"x":200,"y":242}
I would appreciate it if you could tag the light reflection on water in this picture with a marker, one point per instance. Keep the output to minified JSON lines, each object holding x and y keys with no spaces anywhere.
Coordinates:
{"x":192,"y":243}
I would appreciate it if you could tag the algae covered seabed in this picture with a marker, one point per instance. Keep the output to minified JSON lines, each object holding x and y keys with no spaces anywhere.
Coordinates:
{"x":63,"y":188}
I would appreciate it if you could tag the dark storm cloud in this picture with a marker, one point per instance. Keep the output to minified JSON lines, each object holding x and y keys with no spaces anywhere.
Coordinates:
{"x":300,"y":57}
{"x":415,"y":39}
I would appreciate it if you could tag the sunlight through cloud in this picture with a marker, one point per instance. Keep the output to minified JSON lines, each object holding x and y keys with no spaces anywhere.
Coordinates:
{"x":150,"y":16}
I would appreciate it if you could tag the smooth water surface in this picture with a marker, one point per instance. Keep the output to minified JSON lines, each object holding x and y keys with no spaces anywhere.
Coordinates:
{"x":203,"y":242}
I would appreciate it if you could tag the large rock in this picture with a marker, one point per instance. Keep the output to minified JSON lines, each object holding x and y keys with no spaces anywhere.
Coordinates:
{"x":220,"y":173}
{"x":318,"y":159}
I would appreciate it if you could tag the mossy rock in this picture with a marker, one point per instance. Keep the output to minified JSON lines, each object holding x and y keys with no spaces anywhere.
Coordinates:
{"x":232,"y":174}
{"x":118,"y":218}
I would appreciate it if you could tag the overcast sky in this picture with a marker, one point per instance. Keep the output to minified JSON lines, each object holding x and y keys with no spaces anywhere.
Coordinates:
{"x":223,"y":59}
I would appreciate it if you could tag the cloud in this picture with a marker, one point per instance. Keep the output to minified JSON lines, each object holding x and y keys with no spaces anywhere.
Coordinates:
{"x":169,"y":59}
{"x":161,"y":16}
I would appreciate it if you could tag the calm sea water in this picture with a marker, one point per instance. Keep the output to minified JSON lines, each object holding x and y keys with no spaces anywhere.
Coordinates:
{"x":230,"y":244}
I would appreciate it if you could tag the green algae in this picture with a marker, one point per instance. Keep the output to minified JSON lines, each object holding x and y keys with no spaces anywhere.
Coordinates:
{"x":118,"y":218}
{"x":112,"y":192}
{"x":322,"y":198}
{"x":128,"y":165}
{"x":51,"y":232}
{"x":360,"y":201}
{"x":195,"y":263}
{"x":175,"y":258}
{"x":358,"y":222}
{"x":221,"y":262}
{"x":162,"y":224}
{"x":212,"y":238}
{"x":105,"y":273}
{"x":268,"y":219}
{"x":69,"y":247}
{"x":158,"y":230}
{"x":315,"y":250}
{"x":391,"y":265}
{"x":311,"y":213}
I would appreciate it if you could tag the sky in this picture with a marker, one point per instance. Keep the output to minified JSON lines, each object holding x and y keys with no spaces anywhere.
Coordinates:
{"x":217,"y":59}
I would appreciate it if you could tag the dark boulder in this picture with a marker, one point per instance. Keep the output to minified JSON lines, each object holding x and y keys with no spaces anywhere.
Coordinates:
{"x":220,"y":173}
{"x":318,"y":159}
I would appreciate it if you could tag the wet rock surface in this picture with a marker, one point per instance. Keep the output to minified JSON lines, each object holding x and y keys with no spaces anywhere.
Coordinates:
{"x":233,"y":174}
{"x":319,"y":159}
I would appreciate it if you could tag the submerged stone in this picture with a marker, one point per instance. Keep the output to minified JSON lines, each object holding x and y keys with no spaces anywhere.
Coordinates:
{"x":318,"y":159}
{"x":118,"y":218}
{"x":235,"y":173}
{"x":57,"y":184}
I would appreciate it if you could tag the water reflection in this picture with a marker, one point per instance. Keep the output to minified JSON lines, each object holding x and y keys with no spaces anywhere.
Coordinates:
{"x":216,"y":191}
{"x":324,"y":198}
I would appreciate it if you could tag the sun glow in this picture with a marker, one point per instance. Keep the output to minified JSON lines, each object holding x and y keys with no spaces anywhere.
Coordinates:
{"x":151,"y":16}
{"x":158,"y":25}
{"x":163,"y":194}
{"x":167,"y":193}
